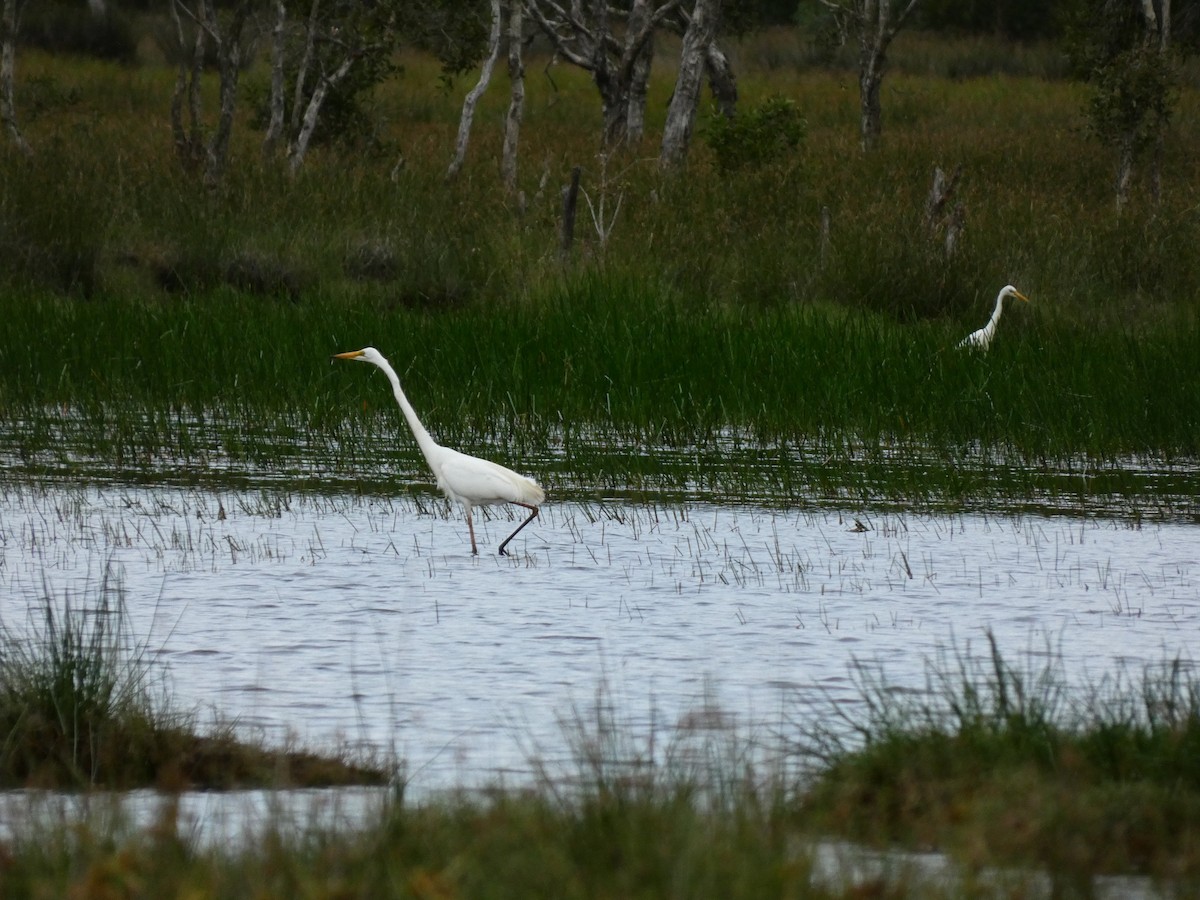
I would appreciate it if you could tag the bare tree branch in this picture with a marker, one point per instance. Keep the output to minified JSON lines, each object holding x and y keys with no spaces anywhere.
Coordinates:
{"x":189,"y":140}
{"x":190,"y":145}
{"x":877,"y":25}
{"x":275,"y":126}
{"x":310,"y":41}
{"x":312,"y":112}
{"x":721,"y":79}
{"x":229,"y":60}
{"x":586,"y":40}
{"x":639,"y":77}
{"x":560,"y":41}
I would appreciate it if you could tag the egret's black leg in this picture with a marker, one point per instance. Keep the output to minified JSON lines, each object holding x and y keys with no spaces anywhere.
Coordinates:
{"x":532,"y":515}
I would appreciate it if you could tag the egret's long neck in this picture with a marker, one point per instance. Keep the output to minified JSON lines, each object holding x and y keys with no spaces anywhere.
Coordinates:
{"x":991,"y":325}
{"x":427,"y":444}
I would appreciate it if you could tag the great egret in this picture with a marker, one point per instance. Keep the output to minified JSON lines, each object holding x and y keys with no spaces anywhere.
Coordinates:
{"x":982,"y":339}
{"x":469,"y":480}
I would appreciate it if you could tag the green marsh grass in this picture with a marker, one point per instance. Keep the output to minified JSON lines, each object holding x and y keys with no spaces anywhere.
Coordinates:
{"x":66,"y":688}
{"x":82,"y":706}
{"x":995,"y":765}
{"x":146,"y":318}
{"x":602,"y":388}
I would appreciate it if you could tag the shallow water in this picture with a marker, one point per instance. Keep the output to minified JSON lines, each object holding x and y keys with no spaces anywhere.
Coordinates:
{"x":215,"y":449}
{"x":364,"y":620}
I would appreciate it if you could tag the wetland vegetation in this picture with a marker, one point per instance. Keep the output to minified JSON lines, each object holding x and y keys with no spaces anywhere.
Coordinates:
{"x":716,"y":343}
{"x":82,"y":706}
{"x":148,"y":318}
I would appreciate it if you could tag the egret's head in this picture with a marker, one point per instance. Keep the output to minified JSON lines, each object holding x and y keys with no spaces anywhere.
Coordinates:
{"x":367,"y":354}
{"x":1010,"y":291}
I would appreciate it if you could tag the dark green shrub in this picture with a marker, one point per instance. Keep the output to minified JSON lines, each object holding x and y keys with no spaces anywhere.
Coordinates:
{"x":761,"y":135}
{"x":53,"y":219}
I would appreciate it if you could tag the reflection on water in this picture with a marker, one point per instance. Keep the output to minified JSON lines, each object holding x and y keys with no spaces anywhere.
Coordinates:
{"x":341,"y":619}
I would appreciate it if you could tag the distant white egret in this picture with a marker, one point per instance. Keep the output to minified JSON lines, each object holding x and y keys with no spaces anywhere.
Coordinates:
{"x":982,"y":339}
{"x":466,"y":479}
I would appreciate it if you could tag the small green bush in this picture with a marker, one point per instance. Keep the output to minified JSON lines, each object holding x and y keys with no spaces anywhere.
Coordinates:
{"x":763,"y":135}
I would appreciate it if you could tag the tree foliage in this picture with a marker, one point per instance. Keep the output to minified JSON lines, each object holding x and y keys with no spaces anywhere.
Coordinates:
{"x":1134,"y":79}
{"x":326,"y":33}
{"x":1134,"y":93}
{"x":60,"y":27}
{"x":1023,"y":20}
{"x":1014,"y":19}
{"x":455,"y":31}
{"x":740,"y":17}
{"x":761,"y":135}
{"x":1122,"y":49}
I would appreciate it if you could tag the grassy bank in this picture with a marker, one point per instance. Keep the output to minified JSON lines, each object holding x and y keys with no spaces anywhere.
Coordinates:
{"x":82,"y":707}
{"x":995,"y":764}
{"x":104,"y":208}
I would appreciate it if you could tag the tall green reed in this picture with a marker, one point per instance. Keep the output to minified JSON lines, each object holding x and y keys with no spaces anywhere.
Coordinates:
{"x":995,"y":763}
{"x":609,"y":356}
{"x":716,"y":305}
{"x":77,"y":704}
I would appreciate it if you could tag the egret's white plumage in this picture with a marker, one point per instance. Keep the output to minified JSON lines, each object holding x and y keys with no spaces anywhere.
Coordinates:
{"x":465,"y":479}
{"x":982,"y":339}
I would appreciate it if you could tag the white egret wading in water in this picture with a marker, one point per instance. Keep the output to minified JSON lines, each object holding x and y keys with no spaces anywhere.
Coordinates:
{"x":469,"y":480}
{"x":982,"y":339}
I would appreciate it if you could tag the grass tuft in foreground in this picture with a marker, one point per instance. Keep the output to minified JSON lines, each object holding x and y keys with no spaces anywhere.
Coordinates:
{"x":996,"y":766}
{"x":80,"y":707}
{"x":1026,"y":790}
{"x":624,"y":817}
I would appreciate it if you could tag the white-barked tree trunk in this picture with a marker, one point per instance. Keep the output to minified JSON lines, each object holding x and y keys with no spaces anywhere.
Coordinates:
{"x":693,"y":60}
{"x":516,"y":101}
{"x":8,"y":60}
{"x":472,"y":99}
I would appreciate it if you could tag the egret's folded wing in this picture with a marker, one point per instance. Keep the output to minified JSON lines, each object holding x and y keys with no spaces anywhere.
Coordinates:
{"x":480,"y":481}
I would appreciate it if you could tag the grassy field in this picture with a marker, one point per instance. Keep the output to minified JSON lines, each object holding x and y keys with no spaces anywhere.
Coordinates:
{"x":173,"y":321}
